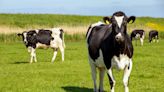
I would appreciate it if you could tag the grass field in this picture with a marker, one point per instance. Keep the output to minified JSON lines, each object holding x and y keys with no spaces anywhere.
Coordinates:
{"x":73,"y":75}
{"x":13,"y":23}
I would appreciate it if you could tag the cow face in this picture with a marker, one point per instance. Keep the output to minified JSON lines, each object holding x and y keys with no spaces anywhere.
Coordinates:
{"x":119,"y":24}
{"x":28,"y":37}
{"x":24,"y":37}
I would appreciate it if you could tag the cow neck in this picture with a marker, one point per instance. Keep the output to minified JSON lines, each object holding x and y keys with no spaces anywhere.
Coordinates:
{"x":119,"y":48}
{"x":110,"y":25}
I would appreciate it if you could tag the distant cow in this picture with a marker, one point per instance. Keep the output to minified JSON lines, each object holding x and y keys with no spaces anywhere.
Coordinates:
{"x":110,"y":46}
{"x":138,"y":34}
{"x":153,"y":34}
{"x":44,"y":38}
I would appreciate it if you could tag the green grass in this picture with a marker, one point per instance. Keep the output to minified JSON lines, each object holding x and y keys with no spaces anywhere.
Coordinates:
{"x":53,"y":20}
{"x":73,"y":75}
{"x":46,"y":20}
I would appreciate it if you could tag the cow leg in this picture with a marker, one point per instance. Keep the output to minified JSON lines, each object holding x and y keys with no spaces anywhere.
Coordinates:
{"x":154,"y":40}
{"x":150,"y":39}
{"x":111,"y":79}
{"x":35,"y":56}
{"x":54,"y":55}
{"x":62,"y":51}
{"x":32,"y":55}
{"x":94,"y":72}
{"x":157,"y":38}
{"x":127,"y":72}
{"x":101,"y":76}
{"x":141,"y":40}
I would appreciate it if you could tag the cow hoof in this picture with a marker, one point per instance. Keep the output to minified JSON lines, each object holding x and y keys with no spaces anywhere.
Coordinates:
{"x":95,"y":90}
{"x":101,"y":90}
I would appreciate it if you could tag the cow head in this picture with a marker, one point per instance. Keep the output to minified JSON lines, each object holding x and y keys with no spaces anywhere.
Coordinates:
{"x":28,"y":37}
{"x":24,"y":37}
{"x":119,"y":24}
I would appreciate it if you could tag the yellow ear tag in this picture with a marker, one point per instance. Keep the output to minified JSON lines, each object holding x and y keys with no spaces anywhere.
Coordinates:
{"x":131,"y":22}
{"x":107,"y":22}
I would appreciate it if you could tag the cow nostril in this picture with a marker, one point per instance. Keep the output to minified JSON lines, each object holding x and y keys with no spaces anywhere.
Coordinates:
{"x":117,"y":38}
{"x":25,"y":42}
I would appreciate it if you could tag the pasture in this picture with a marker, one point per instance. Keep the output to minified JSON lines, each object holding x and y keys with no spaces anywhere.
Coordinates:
{"x":13,"y":23}
{"x":73,"y":75}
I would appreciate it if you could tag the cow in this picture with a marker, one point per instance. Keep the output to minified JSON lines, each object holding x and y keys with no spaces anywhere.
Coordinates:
{"x":153,"y":34}
{"x":44,"y":38}
{"x":138,"y":34}
{"x":109,"y":46}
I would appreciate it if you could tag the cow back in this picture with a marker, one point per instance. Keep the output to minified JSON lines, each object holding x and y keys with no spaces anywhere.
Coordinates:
{"x":44,"y":37}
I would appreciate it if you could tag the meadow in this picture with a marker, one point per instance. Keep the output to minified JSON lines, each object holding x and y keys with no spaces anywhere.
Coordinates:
{"x":72,"y":24}
{"x":72,"y":75}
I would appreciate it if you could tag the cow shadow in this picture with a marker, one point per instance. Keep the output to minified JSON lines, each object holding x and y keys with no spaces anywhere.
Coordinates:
{"x":77,"y":89}
{"x":20,"y":62}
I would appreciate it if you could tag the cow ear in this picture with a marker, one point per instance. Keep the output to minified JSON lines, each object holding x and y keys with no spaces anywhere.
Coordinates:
{"x":107,"y":20}
{"x":131,"y":18}
{"x":19,"y":34}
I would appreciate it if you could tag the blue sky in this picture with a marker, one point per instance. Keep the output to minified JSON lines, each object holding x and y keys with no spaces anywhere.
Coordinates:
{"x":153,"y":8}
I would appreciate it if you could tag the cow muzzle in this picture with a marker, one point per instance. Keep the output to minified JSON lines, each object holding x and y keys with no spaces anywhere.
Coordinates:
{"x":119,"y":37}
{"x":25,"y":42}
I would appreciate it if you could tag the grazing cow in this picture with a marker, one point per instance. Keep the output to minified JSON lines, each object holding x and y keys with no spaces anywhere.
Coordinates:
{"x":138,"y":34}
{"x":44,"y":39}
{"x":110,"y":46}
{"x":153,"y":34}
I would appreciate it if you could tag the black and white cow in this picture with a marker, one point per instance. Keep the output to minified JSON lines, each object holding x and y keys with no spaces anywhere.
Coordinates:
{"x":138,"y":34}
{"x":153,"y":34}
{"x":110,"y":46}
{"x":44,"y":38}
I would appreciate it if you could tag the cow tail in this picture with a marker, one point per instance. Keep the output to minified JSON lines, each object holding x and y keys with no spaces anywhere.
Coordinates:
{"x":62,"y":36}
{"x":63,"y":41}
{"x":143,"y":35}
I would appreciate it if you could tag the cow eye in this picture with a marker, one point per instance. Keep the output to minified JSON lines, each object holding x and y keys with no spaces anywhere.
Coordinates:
{"x":125,"y":22}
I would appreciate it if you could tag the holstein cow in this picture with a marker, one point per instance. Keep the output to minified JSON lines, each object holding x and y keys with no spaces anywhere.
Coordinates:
{"x":138,"y":34}
{"x":44,"y":38}
{"x":110,"y":46}
{"x":153,"y":34}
